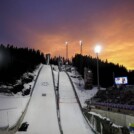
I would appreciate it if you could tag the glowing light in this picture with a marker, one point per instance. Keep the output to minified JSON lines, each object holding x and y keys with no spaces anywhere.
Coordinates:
{"x":66,"y":43}
{"x":80,"y":42}
{"x":97,"y":49}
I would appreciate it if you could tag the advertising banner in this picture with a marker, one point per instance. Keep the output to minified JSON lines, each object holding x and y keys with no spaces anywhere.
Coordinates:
{"x":121,"y":80}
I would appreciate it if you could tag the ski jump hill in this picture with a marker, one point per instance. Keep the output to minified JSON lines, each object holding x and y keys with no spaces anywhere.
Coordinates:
{"x":47,"y":114}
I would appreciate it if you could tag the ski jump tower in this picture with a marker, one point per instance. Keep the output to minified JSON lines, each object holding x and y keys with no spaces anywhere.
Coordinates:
{"x":48,"y":59}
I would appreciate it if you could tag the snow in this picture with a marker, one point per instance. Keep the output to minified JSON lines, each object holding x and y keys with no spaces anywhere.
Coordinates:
{"x":12,"y":106}
{"x":3,"y":119}
{"x":102,"y":117}
{"x":55,"y":71}
{"x":83,"y":94}
{"x":117,"y":126}
{"x":71,"y":117}
{"x":11,"y":110}
{"x":41,"y":113}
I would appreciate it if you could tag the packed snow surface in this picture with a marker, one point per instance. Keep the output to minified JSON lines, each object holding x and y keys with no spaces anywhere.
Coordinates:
{"x":13,"y":105}
{"x":82,"y":93}
{"x":11,"y":110}
{"x":41,"y":113}
{"x":72,"y":119}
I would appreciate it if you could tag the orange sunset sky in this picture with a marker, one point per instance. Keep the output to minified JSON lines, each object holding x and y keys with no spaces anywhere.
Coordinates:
{"x":47,"y":24}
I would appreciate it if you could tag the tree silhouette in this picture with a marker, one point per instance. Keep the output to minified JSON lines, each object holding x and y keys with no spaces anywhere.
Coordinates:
{"x":16,"y":61}
{"x":107,"y":70}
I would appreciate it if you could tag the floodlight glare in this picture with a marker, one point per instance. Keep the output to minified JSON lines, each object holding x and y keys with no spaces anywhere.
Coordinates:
{"x":66,"y":43}
{"x":80,"y":42}
{"x":97,"y":49}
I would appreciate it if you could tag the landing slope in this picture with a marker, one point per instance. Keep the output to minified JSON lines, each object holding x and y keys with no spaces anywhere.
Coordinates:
{"x":72,"y":119}
{"x":41,"y":114}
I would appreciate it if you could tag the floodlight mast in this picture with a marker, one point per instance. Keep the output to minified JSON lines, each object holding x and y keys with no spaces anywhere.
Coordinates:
{"x":66,"y":43}
{"x":81,"y":47}
{"x":97,"y":50}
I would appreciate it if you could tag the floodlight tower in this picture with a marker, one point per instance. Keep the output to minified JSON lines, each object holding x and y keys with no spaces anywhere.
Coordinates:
{"x":81,"y":47}
{"x":97,"y":50}
{"x":66,"y":43}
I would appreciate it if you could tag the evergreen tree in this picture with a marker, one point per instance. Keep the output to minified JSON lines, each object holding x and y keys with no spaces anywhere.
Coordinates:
{"x":16,"y":61}
{"x":107,"y":70}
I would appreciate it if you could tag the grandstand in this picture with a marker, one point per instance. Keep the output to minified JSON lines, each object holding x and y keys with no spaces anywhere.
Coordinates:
{"x":114,"y":99}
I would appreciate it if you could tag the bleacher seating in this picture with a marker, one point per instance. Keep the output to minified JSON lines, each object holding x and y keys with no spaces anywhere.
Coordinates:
{"x":115,"y":98}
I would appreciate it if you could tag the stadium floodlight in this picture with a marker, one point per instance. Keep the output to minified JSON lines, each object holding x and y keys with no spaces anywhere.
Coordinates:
{"x":81,"y":46}
{"x":66,"y":43}
{"x":97,"y":50}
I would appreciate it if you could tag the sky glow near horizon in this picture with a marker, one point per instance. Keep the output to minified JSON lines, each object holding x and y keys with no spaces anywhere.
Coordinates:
{"x":47,"y":24}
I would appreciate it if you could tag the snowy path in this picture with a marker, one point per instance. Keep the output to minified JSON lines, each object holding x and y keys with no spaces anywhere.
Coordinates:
{"x":71,"y":117}
{"x":41,"y":114}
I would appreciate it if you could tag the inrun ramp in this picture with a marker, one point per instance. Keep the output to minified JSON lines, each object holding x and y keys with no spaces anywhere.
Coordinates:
{"x":72,"y":120}
{"x":41,"y":114}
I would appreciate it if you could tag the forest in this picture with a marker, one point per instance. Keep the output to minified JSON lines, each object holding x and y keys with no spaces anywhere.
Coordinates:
{"x":14,"y":62}
{"x":107,"y":70}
